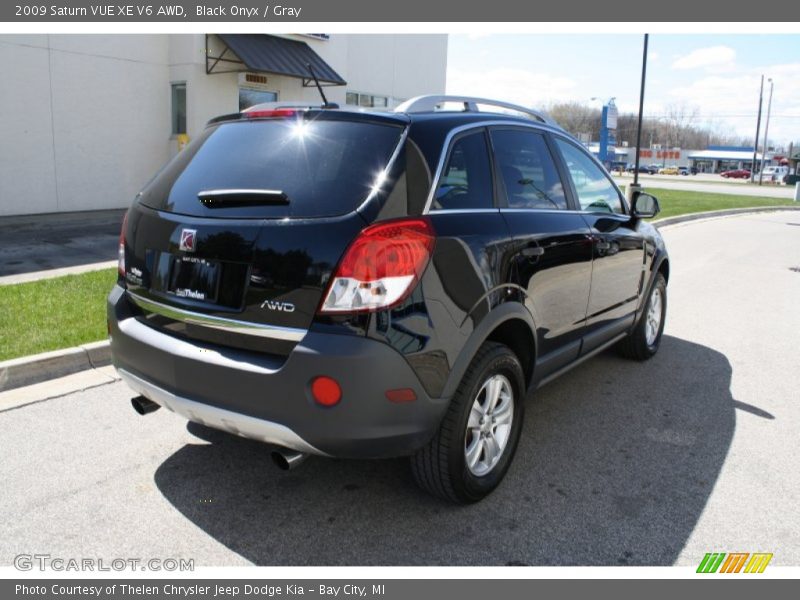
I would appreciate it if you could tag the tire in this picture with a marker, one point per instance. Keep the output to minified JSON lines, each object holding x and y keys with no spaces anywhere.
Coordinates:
{"x":441,"y":468}
{"x":643,"y":342}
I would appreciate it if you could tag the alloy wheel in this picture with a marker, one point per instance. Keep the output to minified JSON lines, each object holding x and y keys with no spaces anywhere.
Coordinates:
{"x":489,"y":425}
{"x":654,"y":314}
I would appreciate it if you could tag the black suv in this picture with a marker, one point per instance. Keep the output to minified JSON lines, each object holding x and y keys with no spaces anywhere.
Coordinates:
{"x":368,"y":284}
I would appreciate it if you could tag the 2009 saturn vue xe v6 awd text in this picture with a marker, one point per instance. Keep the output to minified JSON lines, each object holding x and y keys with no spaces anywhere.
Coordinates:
{"x":377,"y":284}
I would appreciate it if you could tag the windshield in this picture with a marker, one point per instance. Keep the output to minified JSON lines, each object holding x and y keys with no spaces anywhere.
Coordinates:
{"x":320,"y":167}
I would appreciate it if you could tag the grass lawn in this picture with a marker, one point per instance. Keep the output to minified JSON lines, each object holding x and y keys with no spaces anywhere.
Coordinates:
{"x":680,"y":202}
{"x":66,"y":311}
{"x":53,"y":313}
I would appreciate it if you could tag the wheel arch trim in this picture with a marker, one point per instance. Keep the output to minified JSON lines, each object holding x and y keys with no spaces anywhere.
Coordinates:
{"x":501,"y":314}
{"x":660,"y":260}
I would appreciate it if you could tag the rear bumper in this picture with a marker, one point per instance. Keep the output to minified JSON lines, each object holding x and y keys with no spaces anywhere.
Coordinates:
{"x":219,"y":418}
{"x":267,"y":398}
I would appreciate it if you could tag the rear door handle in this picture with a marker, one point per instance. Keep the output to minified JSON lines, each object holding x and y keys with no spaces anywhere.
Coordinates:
{"x":532,"y":251}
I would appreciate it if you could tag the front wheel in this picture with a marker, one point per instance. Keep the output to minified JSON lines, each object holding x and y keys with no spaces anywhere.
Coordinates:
{"x":470,"y":454}
{"x":644,"y":340}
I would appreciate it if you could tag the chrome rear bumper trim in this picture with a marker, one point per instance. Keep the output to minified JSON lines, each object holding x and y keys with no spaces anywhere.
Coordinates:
{"x":219,"y":418}
{"x":194,"y":351}
{"x":276,"y":332}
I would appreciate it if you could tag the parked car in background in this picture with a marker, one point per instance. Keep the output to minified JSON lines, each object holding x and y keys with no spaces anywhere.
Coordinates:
{"x":687,"y":170}
{"x":642,"y":169}
{"x":668,"y":171}
{"x":381,"y":284}
{"x":736,"y":174}
{"x":775,"y":174}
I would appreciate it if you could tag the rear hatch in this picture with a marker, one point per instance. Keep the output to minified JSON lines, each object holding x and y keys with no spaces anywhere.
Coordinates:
{"x":234,"y":240}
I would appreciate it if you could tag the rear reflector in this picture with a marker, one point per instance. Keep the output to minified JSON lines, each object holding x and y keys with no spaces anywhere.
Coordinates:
{"x":401,"y":395}
{"x":121,"y":249}
{"x":381,"y":266}
{"x":326,"y":390}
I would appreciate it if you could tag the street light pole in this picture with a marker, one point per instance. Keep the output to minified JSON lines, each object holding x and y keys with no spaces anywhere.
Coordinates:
{"x":766,"y":133}
{"x":758,"y":130}
{"x":635,"y":187}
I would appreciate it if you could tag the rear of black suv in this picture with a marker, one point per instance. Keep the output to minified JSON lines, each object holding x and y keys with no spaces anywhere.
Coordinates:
{"x":368,"y":285}
{"x":245,"y":285}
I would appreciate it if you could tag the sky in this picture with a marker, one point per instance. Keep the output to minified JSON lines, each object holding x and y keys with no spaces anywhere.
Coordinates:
{"x":718,"y":76}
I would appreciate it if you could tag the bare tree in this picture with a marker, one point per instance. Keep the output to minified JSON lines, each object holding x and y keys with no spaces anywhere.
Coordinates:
{"x":679,"y":126}
{"x":577,"y":118}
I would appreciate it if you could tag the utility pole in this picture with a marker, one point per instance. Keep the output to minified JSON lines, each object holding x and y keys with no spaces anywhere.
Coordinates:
{"x":758,"y":130}
{"x":766,"y":133}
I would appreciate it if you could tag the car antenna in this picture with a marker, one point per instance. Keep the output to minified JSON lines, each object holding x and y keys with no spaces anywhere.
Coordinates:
{"x":325,"y":103}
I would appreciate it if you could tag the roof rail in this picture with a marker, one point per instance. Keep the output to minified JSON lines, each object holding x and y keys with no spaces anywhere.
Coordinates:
{"x":434,"y":102}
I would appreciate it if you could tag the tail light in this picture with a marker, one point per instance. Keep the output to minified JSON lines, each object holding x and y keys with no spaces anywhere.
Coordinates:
{"x":121,"y":250}
{"x":269,"y":113}
{"x":381,"y":266}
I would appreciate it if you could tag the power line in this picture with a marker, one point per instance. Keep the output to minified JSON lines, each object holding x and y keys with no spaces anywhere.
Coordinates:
{"x":701,"y":116}
{"x":718,"y":116}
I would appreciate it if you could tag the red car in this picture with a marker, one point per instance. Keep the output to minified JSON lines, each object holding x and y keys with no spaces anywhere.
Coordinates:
{"x":736,"y":174}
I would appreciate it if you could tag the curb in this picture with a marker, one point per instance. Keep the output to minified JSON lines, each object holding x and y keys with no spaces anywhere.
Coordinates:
{"x":713,"y":214}
{"x":59,"y":272}
{"x":19,"y":372}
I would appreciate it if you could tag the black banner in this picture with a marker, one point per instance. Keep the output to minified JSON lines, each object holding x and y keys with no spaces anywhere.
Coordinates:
{"x":308,"y":11}
{"x":379,"y":589}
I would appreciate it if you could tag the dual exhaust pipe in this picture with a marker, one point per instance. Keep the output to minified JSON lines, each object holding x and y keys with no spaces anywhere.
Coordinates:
{"x":284,"y":459}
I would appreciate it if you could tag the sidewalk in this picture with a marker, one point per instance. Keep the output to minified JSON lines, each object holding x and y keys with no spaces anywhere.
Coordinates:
{"x":35,"y":243}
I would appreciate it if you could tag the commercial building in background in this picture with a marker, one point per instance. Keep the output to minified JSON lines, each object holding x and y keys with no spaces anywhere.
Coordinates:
{"x":86,"y":120}
{"x":714,"y":159}
{"x":793,"y":160}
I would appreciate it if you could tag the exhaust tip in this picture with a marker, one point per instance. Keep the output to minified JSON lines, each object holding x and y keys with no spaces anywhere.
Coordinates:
{"x":286,"y":460}
{"x":143,"y":406}
{"x":280,"y":461}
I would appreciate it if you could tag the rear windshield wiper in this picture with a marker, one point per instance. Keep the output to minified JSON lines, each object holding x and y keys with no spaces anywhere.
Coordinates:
{"x":235,"y":197}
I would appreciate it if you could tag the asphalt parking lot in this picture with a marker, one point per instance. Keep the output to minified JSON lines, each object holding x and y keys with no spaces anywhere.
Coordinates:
{"x":620,"y":463}
{"x":56,"y":241}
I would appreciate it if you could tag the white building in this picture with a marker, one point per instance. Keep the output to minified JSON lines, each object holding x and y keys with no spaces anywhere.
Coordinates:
{"x":716,"y":159}
{"x":86,"y":120}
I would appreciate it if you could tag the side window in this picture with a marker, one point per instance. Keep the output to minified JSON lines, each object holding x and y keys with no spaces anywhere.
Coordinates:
{"x":595,"y":191}
{"x":466,"y":181}
{"x":527,"y":169}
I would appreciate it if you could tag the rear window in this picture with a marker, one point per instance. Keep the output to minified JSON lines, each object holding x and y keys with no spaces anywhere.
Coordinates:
{"x":322,"y":167}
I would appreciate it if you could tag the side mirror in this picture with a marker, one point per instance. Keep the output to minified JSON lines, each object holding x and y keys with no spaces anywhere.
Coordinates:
{"x":645,"y":206}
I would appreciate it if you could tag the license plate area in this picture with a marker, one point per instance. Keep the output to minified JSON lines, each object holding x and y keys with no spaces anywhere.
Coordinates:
{"x":194,"y":278}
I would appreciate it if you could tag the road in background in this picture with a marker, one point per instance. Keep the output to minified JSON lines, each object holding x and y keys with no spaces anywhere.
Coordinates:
{"x":42,"y":242}
{"x":36,"y":246}
{"x":712,"y":184}
{"x":620,"y":463}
